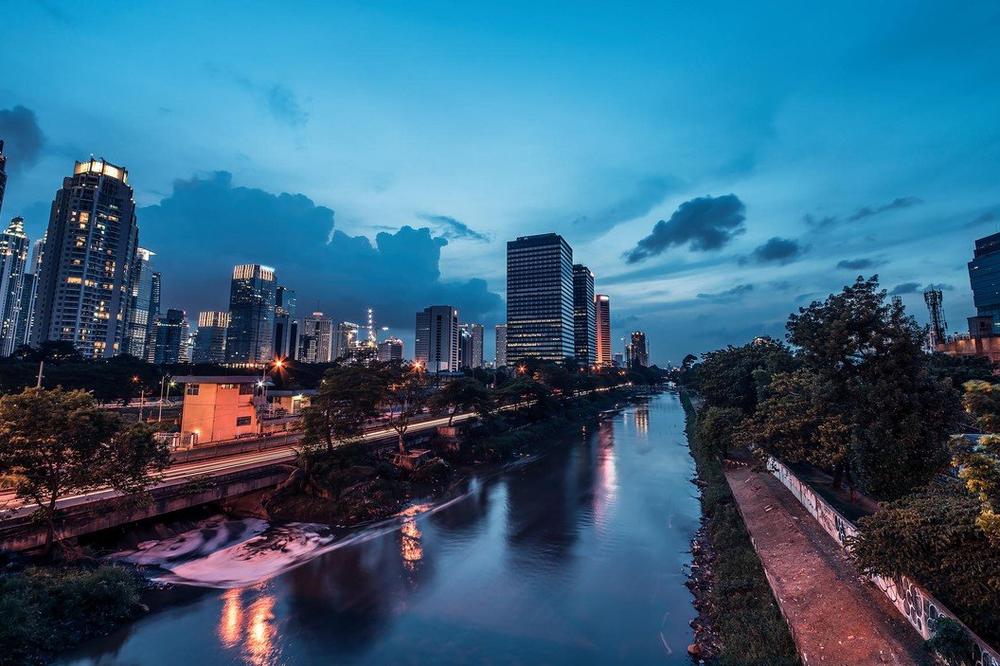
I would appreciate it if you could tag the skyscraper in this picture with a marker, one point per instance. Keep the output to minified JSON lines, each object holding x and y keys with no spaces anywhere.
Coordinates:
{"x":316,"y":340}
{"x":390,"y":349}
{"x":3,"y":174}
{"x":470,"y":351}
{"x":346,"y":339}
{"x":286,"y":326}
{"x":26,"y":319}
{"x":251,"y":315}
{"x":85,"y":281}
{"x":435,"y":344}
{"x":638,"y":350}
{"x":602,"y":319}
{"x":539,"y":298}
{"x":171,"y":337}
{"x":210,"y":340}
{"x":501,"y":340}
{"x":141,"y":318}
{"x":13,"y":259}
{"x":984,"y":277}
{"x":584,"y":326}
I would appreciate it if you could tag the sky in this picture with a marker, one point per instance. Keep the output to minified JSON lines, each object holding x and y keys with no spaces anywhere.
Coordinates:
{"x":717,"y":165}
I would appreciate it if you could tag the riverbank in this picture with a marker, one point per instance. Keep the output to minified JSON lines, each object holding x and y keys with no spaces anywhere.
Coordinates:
{"x":49,"y":609}
{"x":356,"y":484}
{"x":738,"y":620}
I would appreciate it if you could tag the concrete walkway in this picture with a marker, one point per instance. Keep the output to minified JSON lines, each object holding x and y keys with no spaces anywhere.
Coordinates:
{"x":835,"y":618}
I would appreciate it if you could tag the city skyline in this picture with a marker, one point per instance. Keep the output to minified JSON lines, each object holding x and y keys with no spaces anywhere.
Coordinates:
{"x":777,"y":180}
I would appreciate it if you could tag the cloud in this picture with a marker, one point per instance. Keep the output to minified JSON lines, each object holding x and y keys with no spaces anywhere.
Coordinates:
{"x":23,"y":138}
{"x":705,"y":223}
{"x":895,"y":204}
{"x":646,"y":194}
{"x":207,"y":225}
{"x":905,"y":288}
{"x":728,"y":295}
{"x":778,"y":250}
{"x":278,"y":100}
{"x":453,"y":229}
{"x":983,"y":218}
{"x":859,"y":264}
{"x":819,"y":223}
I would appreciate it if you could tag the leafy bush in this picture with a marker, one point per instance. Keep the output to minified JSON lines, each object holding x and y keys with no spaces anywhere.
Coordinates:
{"x":953,"y":643}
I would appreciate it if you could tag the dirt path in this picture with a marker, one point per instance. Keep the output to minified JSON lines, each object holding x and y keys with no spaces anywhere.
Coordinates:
{"x":835,"y":618}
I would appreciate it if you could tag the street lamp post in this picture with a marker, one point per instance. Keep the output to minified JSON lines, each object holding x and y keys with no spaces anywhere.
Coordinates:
{"x":164,"y":385}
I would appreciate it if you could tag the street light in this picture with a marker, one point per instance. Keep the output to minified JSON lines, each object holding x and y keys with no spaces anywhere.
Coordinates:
{"x":167,"y":386}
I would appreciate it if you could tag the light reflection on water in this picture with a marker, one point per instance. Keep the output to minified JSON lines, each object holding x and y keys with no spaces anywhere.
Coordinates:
{"x":577,"y":556}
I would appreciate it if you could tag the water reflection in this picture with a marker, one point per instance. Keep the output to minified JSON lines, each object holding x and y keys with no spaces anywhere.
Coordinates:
{"x":232,"y":618}
{"x":410,"y":544}
{"x":606,"y":474}
{"x":642,"y":419}
{"x":260,"y":646}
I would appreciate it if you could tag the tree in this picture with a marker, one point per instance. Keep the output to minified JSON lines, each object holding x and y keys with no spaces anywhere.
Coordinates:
{"x":738,"y":376}
{"x":717,"y":427}
{"x":57,"y":442}
{"x":462,"y":394}
{"x":347,"y":397}
{"x":406,"y":394}
{"x":960,"y":368}
{"x":982,"y":401}
{"x":979,"y":468}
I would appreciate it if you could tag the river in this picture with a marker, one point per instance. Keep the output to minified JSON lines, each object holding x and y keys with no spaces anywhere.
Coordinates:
{"x":577,"y":556}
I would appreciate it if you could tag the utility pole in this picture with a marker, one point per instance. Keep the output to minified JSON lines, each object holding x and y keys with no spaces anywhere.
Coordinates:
{"x":41,"y":366}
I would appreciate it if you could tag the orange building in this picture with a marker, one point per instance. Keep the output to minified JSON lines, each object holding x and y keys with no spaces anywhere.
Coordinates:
{"x":220,"y":408}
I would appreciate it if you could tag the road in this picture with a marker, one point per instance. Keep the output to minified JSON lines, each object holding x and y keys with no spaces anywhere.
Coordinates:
{"x":181,"y":473}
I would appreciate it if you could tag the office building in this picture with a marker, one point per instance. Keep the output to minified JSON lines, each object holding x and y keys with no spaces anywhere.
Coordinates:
{"x":500,"y":359}
{"x":638,"y":350}
{"x":141,"y":315}
{"x":84,"y":286}
{"x":602,"y":325}
{"x":435,"y":344}
{"x":390,"y":349}
{"x":539,"y":298}
{"x":210,"y":340}
{"x":345,"y":340}
{"x":170,"y":337}
{"x":13,"y":261}
{"x":316,"y":339}
{"x":470,"y":347}
{"x":286,"y":324}
{"x":584,"y":325}
{"x":29,"y":290}
{"x":3,"y":174}
{"x":984,"y":276}
{"x":250,"y":338}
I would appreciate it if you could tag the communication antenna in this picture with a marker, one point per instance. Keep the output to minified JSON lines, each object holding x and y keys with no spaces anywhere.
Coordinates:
{"x":938,"y":326}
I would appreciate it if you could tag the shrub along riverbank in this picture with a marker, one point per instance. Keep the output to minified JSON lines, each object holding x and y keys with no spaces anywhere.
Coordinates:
{"x":49,"y":609}
{"x":740,"y":621}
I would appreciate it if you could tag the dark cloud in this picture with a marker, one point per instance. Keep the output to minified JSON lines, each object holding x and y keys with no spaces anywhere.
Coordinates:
{"x":905,"y":288}
{"x":207,"y":225}
{"x":818,"y":223}
{"x":941,"y":286}
{"x":859,"y":264}
{"x":278,"y":100}
{"x":646,"y":194}
{"x":23,"y":138}
{"x":453,"y":229}
{"x":728,"y":295}
{"x":895,"y":204}
{"x":705,"y":223}
{"x":778,"y":251}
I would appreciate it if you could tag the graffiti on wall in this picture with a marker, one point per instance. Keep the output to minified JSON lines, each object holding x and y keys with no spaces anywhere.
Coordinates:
{"x":917,"y":605}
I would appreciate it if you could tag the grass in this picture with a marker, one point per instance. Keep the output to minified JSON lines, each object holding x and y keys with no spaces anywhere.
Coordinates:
{"x":49,"y":609}
{"x":743,"y":611}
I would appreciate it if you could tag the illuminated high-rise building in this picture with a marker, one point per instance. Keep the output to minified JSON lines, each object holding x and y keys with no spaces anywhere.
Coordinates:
{"x":170,"y":337}
{"x":84,"y":288}
{"x":602,"y":319}
{"x":345,"y":340}
{"x":250,"y":339}
{"x":210,"y":339}
{"x":539,"y":298}
{"x":638,"y":350}
{"x":316,"y":339}
{"x":3,"y":174}
{"x":390,"y":349}
{"x":501,"y":345}
{"x":286,"y":325}
{"x":584,"y":325}
{"x":435,"y":344}
{"x":26,"y":319}
{"x":13,"y":261}
{"x":470,"y":350}
{"x":141,"y":316}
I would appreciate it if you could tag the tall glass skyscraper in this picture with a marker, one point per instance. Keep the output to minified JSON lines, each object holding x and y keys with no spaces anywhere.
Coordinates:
{"x":584,"y":312}
{"x":602,"y":319}
{"x":13,"y":260}
{"x":638,"y":350}
{"x":286,"y":326}
{"x":251,"y":315}
{"x":85,"y":284}
{"x":316,"y":341}
{"x":210,"y":340}
{"x":984,"y":276}
{"x":141,"y":316}
{"x":26,"y":320}
{"x":470,"y":352}
{"x":171,"y":337}
{"x":435,"y":344}
{"x":539,"y":298}
{"x":3,"y":174}
{"x":501,"y":344}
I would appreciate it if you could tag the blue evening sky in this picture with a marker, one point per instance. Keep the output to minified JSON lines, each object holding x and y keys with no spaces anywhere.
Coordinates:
{"x":381,"y":153}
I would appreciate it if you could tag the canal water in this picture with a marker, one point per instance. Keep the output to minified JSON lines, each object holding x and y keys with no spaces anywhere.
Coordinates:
{"x":577,"y":556}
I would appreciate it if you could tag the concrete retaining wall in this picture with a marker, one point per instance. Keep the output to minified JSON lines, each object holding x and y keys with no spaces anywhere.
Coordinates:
{"x":914,"y":602}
